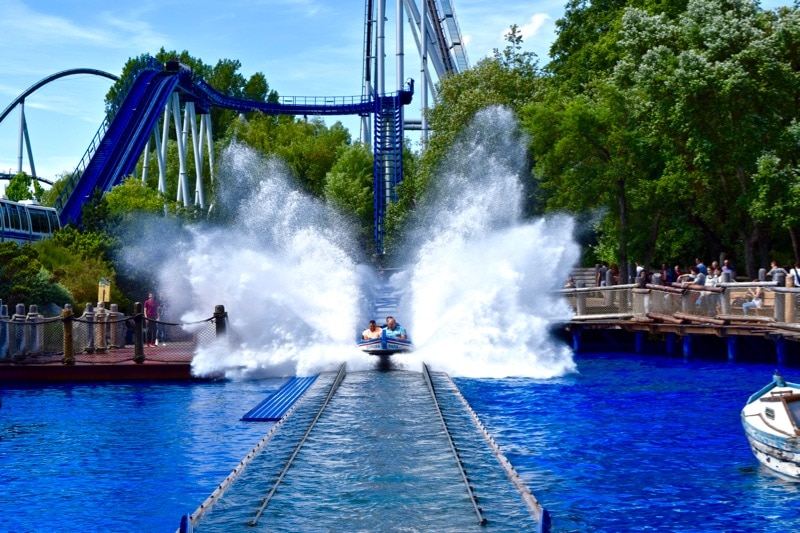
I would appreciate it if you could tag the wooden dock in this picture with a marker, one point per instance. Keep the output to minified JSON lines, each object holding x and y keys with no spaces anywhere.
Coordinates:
{"x":168,"y":363}
{"x":687,"y":320}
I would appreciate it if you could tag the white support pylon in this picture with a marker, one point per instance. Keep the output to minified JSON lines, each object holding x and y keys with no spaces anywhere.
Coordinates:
{"x":210,"y":143}
{"x":191,"y":118}
{"x":160,"y":159}
{"x":162,"y":151}
{"x":181,"y":133}
{"x":145,"y":159}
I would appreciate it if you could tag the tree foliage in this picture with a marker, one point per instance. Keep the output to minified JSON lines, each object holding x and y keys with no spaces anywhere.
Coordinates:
{"x":24,"y":280}
{"x":23,"y":187}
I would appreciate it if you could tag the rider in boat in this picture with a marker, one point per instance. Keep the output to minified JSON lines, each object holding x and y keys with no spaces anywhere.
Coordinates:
{"x":394,"y":330}
{"x":372,"y":332}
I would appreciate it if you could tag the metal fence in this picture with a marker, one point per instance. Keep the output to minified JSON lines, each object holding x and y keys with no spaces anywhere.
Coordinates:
{"x":723,"y":301}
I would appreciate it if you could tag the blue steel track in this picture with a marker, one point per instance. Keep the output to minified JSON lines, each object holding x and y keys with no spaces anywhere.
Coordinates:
{"x":122,"y":137}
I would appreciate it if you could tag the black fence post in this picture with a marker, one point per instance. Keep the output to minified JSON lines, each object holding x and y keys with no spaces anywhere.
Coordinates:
{"x":220,"y":319}
{"x":69,"y":346}
{"x":138,"y":331}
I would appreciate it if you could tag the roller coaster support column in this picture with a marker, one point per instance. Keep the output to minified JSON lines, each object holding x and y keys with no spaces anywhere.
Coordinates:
{"x":162,"y":154}
{"x":181,"y":133}
{"x":23,"y":137}
{"x":399,"y":43}
{"x":200,"y":198}
{"x":380,"y":48}
{"x":423,"y":29}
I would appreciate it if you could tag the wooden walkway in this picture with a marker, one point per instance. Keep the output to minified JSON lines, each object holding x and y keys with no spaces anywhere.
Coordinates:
{"x":162,"y":363}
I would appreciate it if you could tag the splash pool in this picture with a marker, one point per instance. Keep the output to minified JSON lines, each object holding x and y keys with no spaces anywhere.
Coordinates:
{"x":625,"y":444}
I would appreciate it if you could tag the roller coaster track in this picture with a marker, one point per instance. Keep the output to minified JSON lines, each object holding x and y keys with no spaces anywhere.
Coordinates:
{"x":120,"y":140}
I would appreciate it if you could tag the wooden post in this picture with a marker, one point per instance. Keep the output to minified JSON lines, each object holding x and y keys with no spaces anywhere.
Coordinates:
{"x":3,"y":330}
{"x":779,"y":309}
{"x":639,"y":340}
{"x":100,"y":328}
{"x":791,"y":302}
{"x":88,"y":314}
{"x":671,"y":337}
{"x":725,"y":300}
{"x":576,"y":340}
{"x":581,"y":299}
{"x":686,"y":302}
{"x":138,"y":331}
{"x":69,"y":347}
{"x":220,"y":319}
{"x":687,"y":347}
{"x":733,"y":348}
{"x":780,"y":348}
{"x":114,"y":326}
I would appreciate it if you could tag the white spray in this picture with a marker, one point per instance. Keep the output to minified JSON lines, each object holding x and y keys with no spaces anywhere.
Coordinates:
{"x":477,"y":296}
{"x":283,"y":271}
{"x":480,"y":291}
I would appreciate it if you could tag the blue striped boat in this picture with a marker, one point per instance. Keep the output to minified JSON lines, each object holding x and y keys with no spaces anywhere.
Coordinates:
{"x":385,"y":345}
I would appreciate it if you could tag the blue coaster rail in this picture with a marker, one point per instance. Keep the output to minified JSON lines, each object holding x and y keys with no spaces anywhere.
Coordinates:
{"x":115,"y":149}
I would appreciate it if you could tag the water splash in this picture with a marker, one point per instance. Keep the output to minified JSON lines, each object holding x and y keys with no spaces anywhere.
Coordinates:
{"x":285,"y":271}
{"x":476,"y":295}
{"x":479,"y":291}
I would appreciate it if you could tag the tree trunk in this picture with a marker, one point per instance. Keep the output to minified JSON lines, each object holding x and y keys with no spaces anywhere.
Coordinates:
{"x":623,"y":232}
{"x":795,"y":245}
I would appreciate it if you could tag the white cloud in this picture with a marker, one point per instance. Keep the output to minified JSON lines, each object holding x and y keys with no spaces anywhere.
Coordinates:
{"x":532,"y":28}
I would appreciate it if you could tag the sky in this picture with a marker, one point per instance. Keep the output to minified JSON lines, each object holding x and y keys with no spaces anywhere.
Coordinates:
{"x":303,"y":47}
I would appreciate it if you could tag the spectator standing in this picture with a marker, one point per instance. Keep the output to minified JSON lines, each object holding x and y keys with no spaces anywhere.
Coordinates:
{"x":701,"y":268}
{"x":727,"y":268}
{"x":151,"y":315}
{"x":601,"y":274}
{"x":774,"y":270}
{"x":795,"y":274}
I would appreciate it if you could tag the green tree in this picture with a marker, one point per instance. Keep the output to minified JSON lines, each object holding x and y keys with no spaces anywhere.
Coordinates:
{"x":19,"y":188}
{"x":23,"y":279}
{"x":308,"y":147}
{"x":715,"y":88}
{"x":131,"y":197}
{"x":77,"y":261}
{"x":348,"y":186}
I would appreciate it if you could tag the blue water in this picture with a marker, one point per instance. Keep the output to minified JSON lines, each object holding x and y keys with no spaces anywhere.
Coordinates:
{"x":627,"y":444}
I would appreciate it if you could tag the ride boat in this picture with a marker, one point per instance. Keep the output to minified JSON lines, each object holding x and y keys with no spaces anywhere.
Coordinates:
{"x":385,"y":345}
{"x":771,"y":420}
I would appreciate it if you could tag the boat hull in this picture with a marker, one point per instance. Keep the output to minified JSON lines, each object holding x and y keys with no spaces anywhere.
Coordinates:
{"x":780,"y":455}
{"x":771,"y":421}
{"x":385,"y":346}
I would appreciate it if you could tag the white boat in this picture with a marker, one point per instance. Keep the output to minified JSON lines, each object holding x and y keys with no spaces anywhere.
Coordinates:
{"x":771,"y":420}
{"x":385,"y":345}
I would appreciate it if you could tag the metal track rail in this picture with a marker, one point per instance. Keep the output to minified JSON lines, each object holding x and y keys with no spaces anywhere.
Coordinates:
{"x":274,"y":489}
{"x":427,"y":375}
{"x":539,"y":513}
